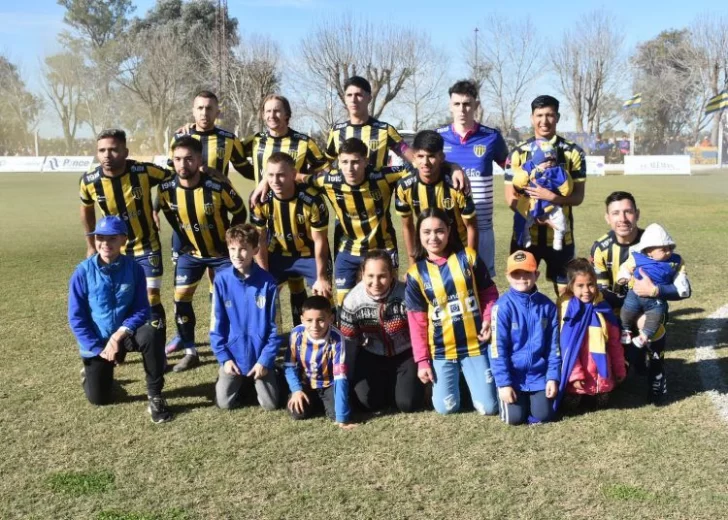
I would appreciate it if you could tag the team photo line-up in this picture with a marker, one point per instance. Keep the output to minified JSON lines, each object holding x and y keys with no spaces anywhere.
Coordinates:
{"x":381,"y":333}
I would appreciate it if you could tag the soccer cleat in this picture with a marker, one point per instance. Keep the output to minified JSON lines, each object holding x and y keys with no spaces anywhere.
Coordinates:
{"x":188,"y":362}
{"x":626,"y":337}
{"x":174,"y":345}
{"x":158,"y":410}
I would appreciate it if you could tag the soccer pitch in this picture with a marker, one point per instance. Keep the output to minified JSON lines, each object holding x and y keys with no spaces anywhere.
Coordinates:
{"x":63,"y":458}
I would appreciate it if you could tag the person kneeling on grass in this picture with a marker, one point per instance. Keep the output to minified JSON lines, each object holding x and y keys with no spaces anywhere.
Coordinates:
{"x":317,"y":355}
{"x":593,"y":358}
{"x":243,"y":331}
{"x":525,"y":348}
{"x":108,"y":312}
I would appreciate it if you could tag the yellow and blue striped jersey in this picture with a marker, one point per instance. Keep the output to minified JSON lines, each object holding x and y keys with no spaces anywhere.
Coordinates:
{"x":128,"y":196}
{"x":302,"y":148}
{"x":448,"y":293}
{"x":414,"y":196}
{"x":363,"y":210}
{"x":571,"y":158}
{"x":219,"y":149}
{"x":377,"y":135}
{"x":289,"y":223}
{"x":317,"y":362}
{"x":607,"y":256}
{"x":200,"y":214}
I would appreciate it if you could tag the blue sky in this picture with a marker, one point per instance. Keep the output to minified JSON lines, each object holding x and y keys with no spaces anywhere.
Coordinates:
{"x":28,"y":29}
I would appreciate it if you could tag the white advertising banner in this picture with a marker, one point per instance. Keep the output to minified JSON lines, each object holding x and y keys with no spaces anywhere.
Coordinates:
{"x":67,"y":164}
{"x":21,"y":164}
{"x":657,"y":165}
{"x":594,"y":165}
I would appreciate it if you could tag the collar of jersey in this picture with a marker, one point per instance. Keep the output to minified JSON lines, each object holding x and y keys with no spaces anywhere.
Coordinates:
{"x":368,"y":122}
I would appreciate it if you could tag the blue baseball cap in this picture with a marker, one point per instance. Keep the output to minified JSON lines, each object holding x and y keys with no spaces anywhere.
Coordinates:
{"x":111,"y":225}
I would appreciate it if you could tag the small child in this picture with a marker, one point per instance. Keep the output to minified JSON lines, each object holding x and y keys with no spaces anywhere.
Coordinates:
{"x":593,"y":358}
{"x":525,"y":354}
{"x":243,"y":332}
{"x":543,"y":170}
{"x":317,"y":352}
{"x":654,"y":256}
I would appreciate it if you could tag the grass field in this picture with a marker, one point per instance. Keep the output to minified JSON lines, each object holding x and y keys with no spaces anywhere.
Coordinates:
{"x":63,"y":458}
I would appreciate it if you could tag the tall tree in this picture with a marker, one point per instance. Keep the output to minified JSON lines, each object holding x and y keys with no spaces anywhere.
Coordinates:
{"x":20,"y":110}
{"x":587,"y":63}
{"x":669,"y":96}
{"x":64,"y":75}
{"x":97,"y":21}
{"x":510,"y":52}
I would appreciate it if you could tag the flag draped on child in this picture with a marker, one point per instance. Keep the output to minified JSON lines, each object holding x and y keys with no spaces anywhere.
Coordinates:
{"x":582,"y":320}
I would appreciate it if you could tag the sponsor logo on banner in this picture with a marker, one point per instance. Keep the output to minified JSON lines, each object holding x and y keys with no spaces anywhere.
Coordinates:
{"x":21,"y":164}
{"x":657,"y":165}
{"x":595,"y":165}
{"x":67,"y":164}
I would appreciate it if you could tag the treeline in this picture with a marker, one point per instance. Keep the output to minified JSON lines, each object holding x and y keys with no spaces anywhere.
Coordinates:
{"x":140,"y":72}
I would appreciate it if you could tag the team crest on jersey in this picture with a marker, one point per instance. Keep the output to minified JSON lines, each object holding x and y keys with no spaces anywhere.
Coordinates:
{"x":301,"y":218}
{"x":377,"y":195}
{"x":260,"y":301}
{"x":221,"y":151}
{"x":209,"y":208}
{"x":479,"y":150}
{"x":137,"y":192}
{"x":293,"y":154}
{"x":373,"y":144}
{"x":154,"y":260}
{"x":448,"y":204}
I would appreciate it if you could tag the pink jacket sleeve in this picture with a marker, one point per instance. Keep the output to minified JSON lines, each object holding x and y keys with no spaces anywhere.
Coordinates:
{"x":577,"y":373}
{"x":487,"y":299}
{"x":418,"y":335}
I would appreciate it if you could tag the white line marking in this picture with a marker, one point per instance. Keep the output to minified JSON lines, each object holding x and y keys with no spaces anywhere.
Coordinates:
{"x":706,"y":357}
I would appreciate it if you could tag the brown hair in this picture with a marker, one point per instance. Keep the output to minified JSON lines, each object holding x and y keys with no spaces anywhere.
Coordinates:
{"x":244,"y":233}
{"x":576,"y":267}
{"x":378,"y":254}
{"x":281,"y":157}
{"x":282,"y":99}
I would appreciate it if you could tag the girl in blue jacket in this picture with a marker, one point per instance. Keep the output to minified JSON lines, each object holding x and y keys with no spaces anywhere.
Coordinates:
{"x":525,"y":356}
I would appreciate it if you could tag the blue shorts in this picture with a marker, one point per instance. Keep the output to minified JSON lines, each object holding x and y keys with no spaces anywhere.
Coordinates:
{"x":152,"y":265}
{"x":190,"y":269}
{"x":284,"y":267}
{"x":347,"y":266}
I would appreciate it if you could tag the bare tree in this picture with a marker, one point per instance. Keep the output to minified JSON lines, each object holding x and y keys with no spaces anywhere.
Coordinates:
{"x":708,"y":66}
{"x":160,"y":75}
{"x":424,"y":94}
{"x":382,"y":53}
{"x":477,"y":65}
{"x":510,"y":53}
{"x":64,"y":76}
{"x":588,"y":64}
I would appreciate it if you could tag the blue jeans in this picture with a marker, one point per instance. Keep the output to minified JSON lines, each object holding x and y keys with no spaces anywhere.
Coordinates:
{"x":531,"y":407}
{"x":446,"y":389}
{"x":634,"y":306}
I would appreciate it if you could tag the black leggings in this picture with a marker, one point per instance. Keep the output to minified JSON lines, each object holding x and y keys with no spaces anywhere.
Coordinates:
{"x":99,"y":373}
{"x":381,"y":380}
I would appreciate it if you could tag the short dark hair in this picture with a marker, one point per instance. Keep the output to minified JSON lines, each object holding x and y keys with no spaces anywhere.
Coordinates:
{"x":543,"y":102}
{"x":359,"y":82}
{"x":316,"y":303}
{"x":189,"y":142}
{"x":281,"y":158}
{"x":244,"y":233}
{"x":354,"y":146}
{"x":616,"y":196}
{"x":378,"y":254}
{"x":464,"y":87}
{"x":438,"y":213}
{"x":429,"y":141}
{"x":208,"y":95}
{"x":112,"y":133}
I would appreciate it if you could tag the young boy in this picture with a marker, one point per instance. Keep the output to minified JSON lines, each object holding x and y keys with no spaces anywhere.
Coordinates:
{"x":317,"y":353}
{"x":243,"y":332}
{"x":525,"y":356}
{"x":654,"y":257}
{"x":431,"y":185}
{"x":542,"y":170}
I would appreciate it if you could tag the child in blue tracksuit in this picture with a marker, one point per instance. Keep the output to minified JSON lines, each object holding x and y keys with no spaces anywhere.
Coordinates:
{"x":543,"y":170}
{"x":315,"y":365}
{"x":243,"y":331}
{"x":525,"y":357}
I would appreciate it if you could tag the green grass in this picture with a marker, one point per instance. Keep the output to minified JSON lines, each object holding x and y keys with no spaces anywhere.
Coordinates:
{"x":63,"y":458}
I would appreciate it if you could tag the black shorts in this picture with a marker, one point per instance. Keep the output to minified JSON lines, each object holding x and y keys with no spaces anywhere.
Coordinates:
{"x":555,"y":260}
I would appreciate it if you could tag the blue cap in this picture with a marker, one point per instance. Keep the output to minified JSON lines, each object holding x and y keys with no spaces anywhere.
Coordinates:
{"x":542,"y":150}
{"x":111,"y":225}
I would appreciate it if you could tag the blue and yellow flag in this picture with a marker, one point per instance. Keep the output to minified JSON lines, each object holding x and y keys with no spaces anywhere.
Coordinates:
{"x":717,"y":103}
{"x":633,"y":102}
